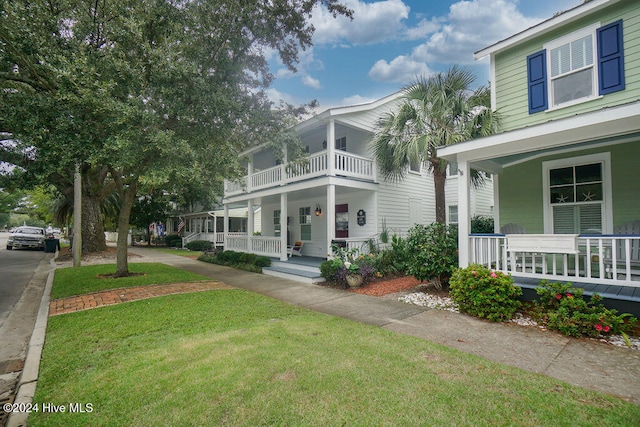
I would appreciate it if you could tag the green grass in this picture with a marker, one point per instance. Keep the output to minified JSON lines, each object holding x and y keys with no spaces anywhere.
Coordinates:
{"x":236,"y":358}
{"x":77,"y":281}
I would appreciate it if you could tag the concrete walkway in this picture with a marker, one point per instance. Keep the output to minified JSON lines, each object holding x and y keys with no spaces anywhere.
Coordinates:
{"x":582,"y":362}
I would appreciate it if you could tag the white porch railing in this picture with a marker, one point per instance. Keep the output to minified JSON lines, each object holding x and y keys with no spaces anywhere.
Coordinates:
{"x":344,"y":164}
{"x":190,"y":238}
{"x":601,"y":259}
{"x":259,"y":245}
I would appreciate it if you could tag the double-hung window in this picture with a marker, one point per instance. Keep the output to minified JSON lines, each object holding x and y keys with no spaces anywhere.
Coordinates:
{"x":305,"y":223}
{"x":572,"y":68}
{"x":276,"y":223}
{"x":575,"y":68}
{"x":576,"y":191}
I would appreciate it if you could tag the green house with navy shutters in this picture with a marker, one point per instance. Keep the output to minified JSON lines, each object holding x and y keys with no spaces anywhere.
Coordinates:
{"x":566,"y":161}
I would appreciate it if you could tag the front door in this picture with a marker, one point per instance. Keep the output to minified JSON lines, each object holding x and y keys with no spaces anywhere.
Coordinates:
{"x":342,"y":221}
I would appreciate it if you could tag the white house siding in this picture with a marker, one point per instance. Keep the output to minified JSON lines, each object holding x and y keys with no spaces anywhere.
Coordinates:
{"x":394,"y":199}
{"x":481,"y":199}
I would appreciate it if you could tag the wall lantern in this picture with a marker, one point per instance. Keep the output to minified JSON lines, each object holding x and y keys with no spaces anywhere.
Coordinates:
{"x":318,"y":210}
{"x":324,"y":144}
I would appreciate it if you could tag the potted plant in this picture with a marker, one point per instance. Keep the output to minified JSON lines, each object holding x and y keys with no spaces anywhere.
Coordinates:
{"x":349,"y":268}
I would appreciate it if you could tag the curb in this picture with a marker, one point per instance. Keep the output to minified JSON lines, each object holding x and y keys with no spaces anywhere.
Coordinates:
{"x":29,"y":378}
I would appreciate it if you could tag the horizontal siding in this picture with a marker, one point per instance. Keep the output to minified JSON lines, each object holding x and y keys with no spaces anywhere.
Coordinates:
{"x":393,"y":201}
{"x":511,"y":71}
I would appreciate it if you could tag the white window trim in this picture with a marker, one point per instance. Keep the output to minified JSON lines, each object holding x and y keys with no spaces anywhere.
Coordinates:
{"x":607,"y":201}
{"x":590,"y":30}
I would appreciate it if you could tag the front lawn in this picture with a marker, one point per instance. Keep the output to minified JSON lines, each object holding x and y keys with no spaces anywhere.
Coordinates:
{"x":231,"y":357}
{"x":77,"y":281}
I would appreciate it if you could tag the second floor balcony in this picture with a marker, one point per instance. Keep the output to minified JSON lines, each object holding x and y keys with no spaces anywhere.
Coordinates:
{"x":316,"y":165}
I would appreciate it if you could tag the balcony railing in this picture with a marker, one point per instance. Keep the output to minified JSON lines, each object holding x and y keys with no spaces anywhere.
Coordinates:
{"x":601,"y":259}
{"x":259,"y":245}
{"x":344,"y":164}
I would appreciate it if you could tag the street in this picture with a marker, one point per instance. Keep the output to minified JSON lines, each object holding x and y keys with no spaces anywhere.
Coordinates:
{"x":23,"y":276}
{"x":16,"y":269}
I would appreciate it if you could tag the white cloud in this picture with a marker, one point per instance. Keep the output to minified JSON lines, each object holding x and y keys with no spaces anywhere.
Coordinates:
{"x":402,"y":69}
{"x":454,"y":38}
{"x":372,"y":22}
{"x":311,"y":82}
{"x":459,"y":38}
{"x":356,"y":100}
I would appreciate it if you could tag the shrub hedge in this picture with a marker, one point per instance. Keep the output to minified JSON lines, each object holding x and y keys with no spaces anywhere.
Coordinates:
{"x":240,"y":260}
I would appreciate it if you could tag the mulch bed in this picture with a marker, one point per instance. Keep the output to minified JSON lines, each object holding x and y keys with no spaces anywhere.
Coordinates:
{"x":387,"y":286}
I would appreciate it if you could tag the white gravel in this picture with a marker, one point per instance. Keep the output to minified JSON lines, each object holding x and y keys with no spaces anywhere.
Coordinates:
{"x":444,"y":303}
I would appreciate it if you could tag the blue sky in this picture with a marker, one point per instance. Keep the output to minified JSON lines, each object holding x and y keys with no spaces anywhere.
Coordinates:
{"x":390,"y":42}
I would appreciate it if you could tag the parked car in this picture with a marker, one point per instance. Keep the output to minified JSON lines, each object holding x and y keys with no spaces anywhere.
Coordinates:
{"x":26,"y":237}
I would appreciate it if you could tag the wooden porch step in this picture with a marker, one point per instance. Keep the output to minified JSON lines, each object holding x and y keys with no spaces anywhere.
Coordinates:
{"x":295,"y":274}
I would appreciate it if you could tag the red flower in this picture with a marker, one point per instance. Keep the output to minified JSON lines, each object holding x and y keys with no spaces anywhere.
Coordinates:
{"x":606,"y":328}
{"x":493,"y":274}
{"x":569,"y":295}
{"x":598,"y":327}
{"x":558,"y":296}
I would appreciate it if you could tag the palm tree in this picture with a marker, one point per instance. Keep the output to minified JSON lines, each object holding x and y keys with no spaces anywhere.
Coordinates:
{"x":434,"y":112}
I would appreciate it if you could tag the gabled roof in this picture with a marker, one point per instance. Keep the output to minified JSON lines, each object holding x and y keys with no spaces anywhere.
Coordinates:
{"x":550,"y":24}
{"x":342,"y":111}
{"x":334,"y":113}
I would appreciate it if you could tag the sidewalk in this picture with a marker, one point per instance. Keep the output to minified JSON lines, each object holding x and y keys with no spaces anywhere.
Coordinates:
{"x":582,"y":362}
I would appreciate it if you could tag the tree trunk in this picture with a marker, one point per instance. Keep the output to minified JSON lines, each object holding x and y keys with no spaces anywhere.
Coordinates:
{"x":439,"y":180}
{"x":92,"y":225}
{"x":122,"y":262}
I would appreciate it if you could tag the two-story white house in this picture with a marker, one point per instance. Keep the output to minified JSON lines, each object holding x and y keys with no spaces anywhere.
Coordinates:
{"x":567,"y":161}
{"x":338,"y":195}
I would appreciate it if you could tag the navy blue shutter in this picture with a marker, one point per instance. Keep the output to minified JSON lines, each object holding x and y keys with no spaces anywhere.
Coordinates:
{"x":610,"y":58}
{"x":537,"y":81}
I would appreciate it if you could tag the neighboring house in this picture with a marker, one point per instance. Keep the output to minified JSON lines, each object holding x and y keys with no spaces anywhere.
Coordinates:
{"x":339,"y":195}
{"x":209,"y":225}
{"x":567,"y":160}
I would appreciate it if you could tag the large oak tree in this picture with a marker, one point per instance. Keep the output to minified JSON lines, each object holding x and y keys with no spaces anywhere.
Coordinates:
{"x":145,"y":88}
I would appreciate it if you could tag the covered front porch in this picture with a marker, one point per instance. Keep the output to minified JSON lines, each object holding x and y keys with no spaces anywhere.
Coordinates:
{"x":565,"y":202}
{"x":317,"y":214}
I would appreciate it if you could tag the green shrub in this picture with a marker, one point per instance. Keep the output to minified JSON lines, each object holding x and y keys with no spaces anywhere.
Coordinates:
{"x":482,"y":224}
{"x":230,"y":256}
{"x":173,"y":240}
{"x":561,"y":307}
{"x":329,"y":269}
{"x":262,"y":261}
{"x":199,"y":245}
{"x":434,"y":252}
{"x":247,"y":258}
{"x":484,"y":293}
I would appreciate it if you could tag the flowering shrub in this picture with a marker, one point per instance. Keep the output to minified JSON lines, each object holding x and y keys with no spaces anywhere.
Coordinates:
{"x":484,"y":293}
{"x":347,"y":261}
{"x":562,"y":307}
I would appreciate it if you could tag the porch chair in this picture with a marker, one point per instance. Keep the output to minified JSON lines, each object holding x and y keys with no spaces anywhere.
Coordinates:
{"x":630,"y":228}
{"x":513,"y":229}
{"x":296,"y":249}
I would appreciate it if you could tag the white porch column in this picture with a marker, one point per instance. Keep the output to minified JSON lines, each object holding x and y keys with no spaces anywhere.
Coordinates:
{"x":331,"y":217}
{"x":249,"y":173}
{"x":249,"y":224}
{"x":283,"y":226}
{"x":496,"y":203}
{"x":225,"y":227}
{"x":331,"y":147}
{"x":464,"y":214}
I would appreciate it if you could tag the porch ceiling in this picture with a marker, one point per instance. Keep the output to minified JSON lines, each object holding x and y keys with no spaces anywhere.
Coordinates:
{"x":611,"y":125}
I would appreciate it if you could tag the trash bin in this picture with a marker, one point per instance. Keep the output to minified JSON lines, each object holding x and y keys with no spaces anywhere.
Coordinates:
{"x":50,"y":245}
